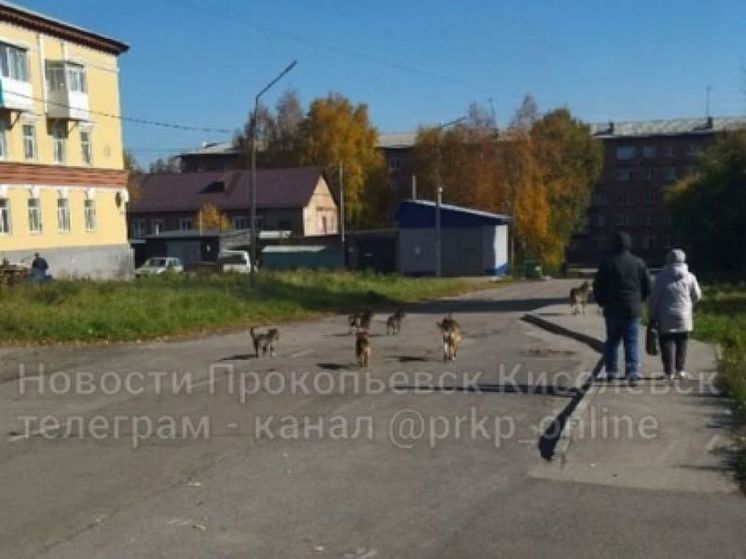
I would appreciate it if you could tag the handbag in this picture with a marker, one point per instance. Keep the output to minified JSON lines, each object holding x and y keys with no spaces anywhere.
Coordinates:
{"x":651,"y":338}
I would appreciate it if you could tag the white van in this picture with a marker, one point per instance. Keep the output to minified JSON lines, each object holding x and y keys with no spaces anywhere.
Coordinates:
{"x":234,"y":261}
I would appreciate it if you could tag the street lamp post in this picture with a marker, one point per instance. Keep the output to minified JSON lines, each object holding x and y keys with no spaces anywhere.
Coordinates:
{"x":252,"y":185}
{"x":439,"y":198}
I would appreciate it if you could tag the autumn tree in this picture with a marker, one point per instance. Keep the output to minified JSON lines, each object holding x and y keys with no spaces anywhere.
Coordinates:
{"x":708,"y":207}
{"x":134,"y":175}
{"x":211,"y":218}
{"x":337,"y":133}
{"x":540,"y":171}
{"x":568,"y":161}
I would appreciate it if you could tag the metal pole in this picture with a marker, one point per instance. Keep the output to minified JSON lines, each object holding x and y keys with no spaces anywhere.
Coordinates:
{"x":252,"y":194}
{"x":438,"y":202}
{"x":414,"y":187}
{"x":252,"y":176}
{"x":342,"y":215}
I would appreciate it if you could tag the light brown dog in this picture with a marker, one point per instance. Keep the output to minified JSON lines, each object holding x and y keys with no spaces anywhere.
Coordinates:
{"x":360,"y":321}
{"x":579,"y":297}
{"x":265,"y":341}
{"x":452,"y":337}
{"x":362,"y":348}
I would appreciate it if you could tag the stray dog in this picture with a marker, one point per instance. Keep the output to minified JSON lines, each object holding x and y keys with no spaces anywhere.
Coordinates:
{"x":452,"y":337}
{"x":393,"y":324}
{"x":579,"y":297}
{"x":360,"y":321}
{"x":362,"y":348}
{"x":265,"y":341}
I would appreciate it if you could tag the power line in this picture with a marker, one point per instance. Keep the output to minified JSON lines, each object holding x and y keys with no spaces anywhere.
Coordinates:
{"x":171,"y":125}
{"x":312,"y":42}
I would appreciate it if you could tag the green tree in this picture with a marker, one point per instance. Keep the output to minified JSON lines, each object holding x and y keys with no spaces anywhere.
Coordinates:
{"x":708,"y":208}
{"x":569,"y":162}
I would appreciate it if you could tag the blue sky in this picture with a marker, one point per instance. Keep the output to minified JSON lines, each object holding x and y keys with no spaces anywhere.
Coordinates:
{"x":200,"y":62}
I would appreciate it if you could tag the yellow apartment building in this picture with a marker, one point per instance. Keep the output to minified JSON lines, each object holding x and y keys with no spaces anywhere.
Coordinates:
{"x":63,"y":187}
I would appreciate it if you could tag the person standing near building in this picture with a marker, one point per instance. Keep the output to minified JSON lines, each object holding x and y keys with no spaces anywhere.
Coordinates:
{"x":675,"y":292}
{"x":39,"y":267}
{"x":621,"y":285}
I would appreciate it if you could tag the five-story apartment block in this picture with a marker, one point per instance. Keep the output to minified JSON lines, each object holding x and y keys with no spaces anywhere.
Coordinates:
{"x":63,"y":187}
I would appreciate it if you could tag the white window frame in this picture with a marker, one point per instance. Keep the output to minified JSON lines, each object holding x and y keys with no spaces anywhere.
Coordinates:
{"x":6,"y":226}
{"x":86,"y":146}
{"x":670,"y":174}
{"x":14,"y":62}
{"x":648,"y":151}
{"x":240,"y":220}
{"x":63,"y":215}
{"x":649,"y":198}
{"x":30,"y":152}
{"x":394,"y":164}
{"x":89,"y":214}
{"x":623,"y":199}
{"x":623,"y":220}
{"x":75,"y":77}
{"x":157,"y":226}
{"x":35,"y":224}
{"x":186,"y":224}
{"x":59,"y":137}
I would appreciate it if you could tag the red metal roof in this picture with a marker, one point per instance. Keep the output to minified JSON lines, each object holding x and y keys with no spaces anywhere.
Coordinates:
{"x":276,"y":188}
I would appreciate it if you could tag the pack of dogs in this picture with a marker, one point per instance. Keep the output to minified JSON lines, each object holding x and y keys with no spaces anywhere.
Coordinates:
{"x":359,"y":324}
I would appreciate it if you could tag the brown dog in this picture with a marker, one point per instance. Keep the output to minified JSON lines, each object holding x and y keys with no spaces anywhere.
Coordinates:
{"x":360,"y":321}
{"x":265,"y":341}
{"x":579,"y":297}
{"x":452,"y":337}
{"x":362,"y":348}
{"x":393,"y":323}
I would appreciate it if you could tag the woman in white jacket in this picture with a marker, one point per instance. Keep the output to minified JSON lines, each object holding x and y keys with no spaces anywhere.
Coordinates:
{"x":675,"y":293}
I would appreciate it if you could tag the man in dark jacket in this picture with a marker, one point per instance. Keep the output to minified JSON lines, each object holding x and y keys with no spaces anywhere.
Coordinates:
{"x":621,"y":285}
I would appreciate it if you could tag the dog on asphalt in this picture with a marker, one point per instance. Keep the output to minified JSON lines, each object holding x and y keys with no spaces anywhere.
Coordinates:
{"x":360,"y":321}
{"x":264,"y":341}
{"x":452,"y":337}
{"x":393,"y":323}
{"x":579,"y":297}
{"x":362,"y":348}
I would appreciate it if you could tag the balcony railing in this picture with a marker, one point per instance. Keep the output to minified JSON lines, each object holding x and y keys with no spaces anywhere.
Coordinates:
{"x":15,"y":95}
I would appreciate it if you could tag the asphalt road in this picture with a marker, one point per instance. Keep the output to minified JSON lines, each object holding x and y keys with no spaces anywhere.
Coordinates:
{"x":195,"y":449}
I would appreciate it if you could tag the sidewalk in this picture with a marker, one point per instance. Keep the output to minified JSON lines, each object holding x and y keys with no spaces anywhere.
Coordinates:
{"x":656,"y":435}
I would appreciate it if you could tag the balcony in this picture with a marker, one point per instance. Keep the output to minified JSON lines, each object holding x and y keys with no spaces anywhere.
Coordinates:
{"x":15,"y":95}
{"x":67,"y":91}
{"x":68,"y":105}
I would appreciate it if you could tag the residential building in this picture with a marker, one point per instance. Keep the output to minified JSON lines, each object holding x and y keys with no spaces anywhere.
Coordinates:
{"x":63,"y":188}
{"x":218,"y":156}
{"x":642,"y":159}
{"x":297,"y":200}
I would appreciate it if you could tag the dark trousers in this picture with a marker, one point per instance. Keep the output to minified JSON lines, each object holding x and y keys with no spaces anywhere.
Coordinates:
{"x":673,"y":351}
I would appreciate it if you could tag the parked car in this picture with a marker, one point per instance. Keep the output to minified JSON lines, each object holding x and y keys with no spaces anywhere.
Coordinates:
{"x":158,"y":265}
{"x":234,"y":261}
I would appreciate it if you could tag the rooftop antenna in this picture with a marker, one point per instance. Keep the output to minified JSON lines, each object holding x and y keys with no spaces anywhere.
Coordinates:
{"x":492,"y":111}
{"x":707,"y":107}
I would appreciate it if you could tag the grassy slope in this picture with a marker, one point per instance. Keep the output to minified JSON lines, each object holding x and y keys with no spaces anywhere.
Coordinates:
{"x":721,"y":318}
{"x":64,"y":311}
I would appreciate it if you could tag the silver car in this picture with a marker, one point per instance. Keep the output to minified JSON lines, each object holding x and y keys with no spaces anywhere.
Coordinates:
{"x":158,"y":265}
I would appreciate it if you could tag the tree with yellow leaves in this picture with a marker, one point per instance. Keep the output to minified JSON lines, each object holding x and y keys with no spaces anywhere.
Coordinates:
{"x":210,"y":217}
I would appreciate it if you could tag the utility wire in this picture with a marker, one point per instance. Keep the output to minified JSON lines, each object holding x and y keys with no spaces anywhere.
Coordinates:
{"x":312,"y":42}
{"x":132,"y":119}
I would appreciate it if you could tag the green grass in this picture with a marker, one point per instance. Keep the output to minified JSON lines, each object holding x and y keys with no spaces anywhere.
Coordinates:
{"x":154,"y":307}
{"x":721,"y":318}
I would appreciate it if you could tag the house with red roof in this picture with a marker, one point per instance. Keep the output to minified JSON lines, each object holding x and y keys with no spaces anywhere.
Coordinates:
{"x":298,"y":200}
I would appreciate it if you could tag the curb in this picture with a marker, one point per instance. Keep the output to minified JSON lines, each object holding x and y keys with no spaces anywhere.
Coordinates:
{"x":558,"y":444}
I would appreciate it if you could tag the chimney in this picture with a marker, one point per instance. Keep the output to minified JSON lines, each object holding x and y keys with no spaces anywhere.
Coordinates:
{"x":611,"y":127}
{"x":710,"y":123}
